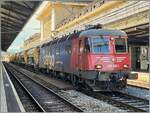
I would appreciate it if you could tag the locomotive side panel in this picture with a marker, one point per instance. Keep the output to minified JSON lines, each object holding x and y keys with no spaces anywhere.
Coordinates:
{"x":74,"y":64}
{"x":51,"y":57}
{"x":62,"y":56}
{"x":65,"y":55}
{"x":56,"y":56}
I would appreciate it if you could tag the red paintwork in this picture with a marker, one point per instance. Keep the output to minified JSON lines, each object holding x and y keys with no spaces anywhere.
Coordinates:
{"x":74,"y":54}
{"x":87,"y":61}
{"x":107,"y":63}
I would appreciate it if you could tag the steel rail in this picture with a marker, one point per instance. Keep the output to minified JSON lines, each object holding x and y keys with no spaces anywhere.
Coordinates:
{"x":38,"y":104}
{"x":123,"y":102}
{"x":118,"y":102}
{"x":50,"y":90}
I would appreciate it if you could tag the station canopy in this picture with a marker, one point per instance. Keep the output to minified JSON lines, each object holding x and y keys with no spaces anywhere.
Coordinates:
{"x":138,"y":34}
{"x":14,"y":15}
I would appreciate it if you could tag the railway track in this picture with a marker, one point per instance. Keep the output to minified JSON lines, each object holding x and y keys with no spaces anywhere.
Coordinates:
{"x":46,"y":99}
{"x":121,"y":100}
{"x":40,"y":78}
{"x":27,"y":101}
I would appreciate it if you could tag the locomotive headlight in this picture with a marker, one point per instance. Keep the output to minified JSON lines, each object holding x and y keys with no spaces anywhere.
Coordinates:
{"x":98,"y":66}
{"x":125,"y":65}
{"x":111,"y":38}
{"x":113,"y":59}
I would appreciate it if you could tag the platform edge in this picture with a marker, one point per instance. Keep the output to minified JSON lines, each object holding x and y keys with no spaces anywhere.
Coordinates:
{"x":15,"y":93}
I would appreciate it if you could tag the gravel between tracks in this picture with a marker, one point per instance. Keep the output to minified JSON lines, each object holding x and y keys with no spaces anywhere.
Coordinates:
{"x":88,"y":103}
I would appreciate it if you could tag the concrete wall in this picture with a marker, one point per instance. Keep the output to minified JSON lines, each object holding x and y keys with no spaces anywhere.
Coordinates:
{"x":53,"y":15}
{"x":63,"y":12}
{"x":46,"y":28}
{"x":33,"y":40}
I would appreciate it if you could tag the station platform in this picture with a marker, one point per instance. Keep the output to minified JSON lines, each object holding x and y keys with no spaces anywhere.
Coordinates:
{"x":10,"y":101}
{"x":142,"y":81}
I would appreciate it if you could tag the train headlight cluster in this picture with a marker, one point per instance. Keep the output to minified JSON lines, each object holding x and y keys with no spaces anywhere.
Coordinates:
{"x":126,"y":66}
{"x":113,"y":59}
{"x":98,"y":66}
{"x":111,"y":38}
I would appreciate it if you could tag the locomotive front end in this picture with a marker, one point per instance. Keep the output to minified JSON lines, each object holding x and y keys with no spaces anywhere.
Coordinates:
{"x":108,"y":56}
{"x":111,"y":60}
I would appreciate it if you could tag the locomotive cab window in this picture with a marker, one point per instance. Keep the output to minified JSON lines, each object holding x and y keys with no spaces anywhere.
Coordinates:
{"x":120,"y":45}
{"x":100,"y":45}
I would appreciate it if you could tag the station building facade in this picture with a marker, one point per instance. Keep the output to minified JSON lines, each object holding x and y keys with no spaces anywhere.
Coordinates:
{"x":51,"y":19}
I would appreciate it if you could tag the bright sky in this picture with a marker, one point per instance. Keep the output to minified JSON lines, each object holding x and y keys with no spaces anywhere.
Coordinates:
{"x":3,"y":53}
{"x":32,"y":27}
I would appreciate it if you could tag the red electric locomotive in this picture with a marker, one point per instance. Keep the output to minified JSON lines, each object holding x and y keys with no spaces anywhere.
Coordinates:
{"x":96,"y":58}
{"x":101,"y":58}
